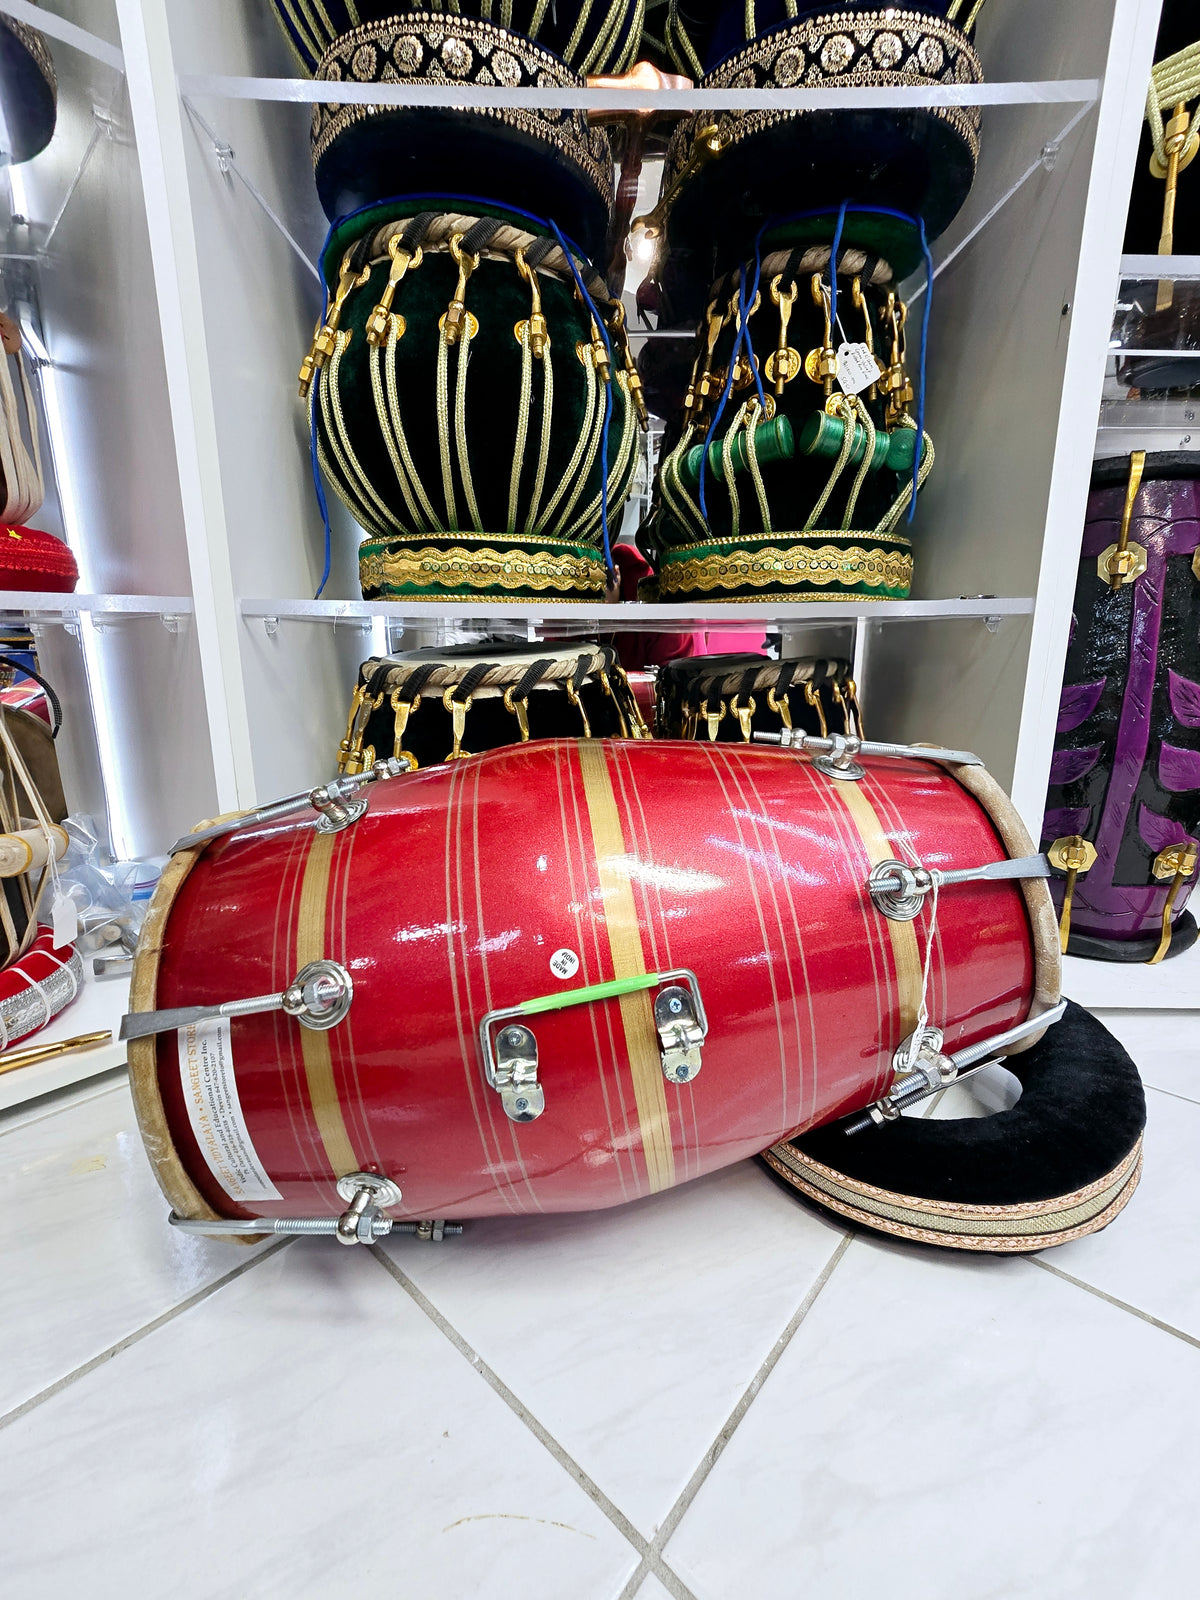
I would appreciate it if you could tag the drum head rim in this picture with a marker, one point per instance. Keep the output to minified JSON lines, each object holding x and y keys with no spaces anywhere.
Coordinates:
{"x":162,"y":1152}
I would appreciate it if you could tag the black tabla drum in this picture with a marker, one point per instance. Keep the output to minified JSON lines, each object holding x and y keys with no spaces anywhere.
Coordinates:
{"x":438,"y":705}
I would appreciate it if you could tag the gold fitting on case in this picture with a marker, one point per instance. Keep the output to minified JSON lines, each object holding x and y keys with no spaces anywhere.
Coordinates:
{"x":1123,"y":562}
{"x":520,"y":710}
{"x":1117,"y":566}
{"x":458,"y":721}
{"x":781,"y":708}
{"x":401,"y":711}
{"x":1072,"y":854}
{"x":535,"y":327}
{"x":1177,"y":862}
{"x":743,"y":713}
{"x":456,"y":318}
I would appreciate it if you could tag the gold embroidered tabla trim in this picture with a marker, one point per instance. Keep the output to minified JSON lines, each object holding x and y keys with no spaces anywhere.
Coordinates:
{"x":178,"y":1189}
{"x":314,"y":1042}
{"x":1032,"y":1225}
{"x":861,"y":49}
{"x":447,"y":50}
{"x":905,"y":954}
{"x":790,"y":566}
{"x":472,"y":570}
{"x":628,"y":959}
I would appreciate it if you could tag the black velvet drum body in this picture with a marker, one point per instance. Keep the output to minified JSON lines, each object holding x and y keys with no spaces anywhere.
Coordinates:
{"x":547,"y":157}
{"x":1125,"y":775}
{"x":440,"y":704}
{"x":522,"y":154}
{"x":28,"y":92}
{"x":466,"y":396}
{"x":726,"y":698}
{"x":728,"y":171}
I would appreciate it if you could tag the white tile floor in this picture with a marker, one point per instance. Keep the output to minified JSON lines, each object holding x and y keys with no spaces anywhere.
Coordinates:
{"x":712,"y":1394}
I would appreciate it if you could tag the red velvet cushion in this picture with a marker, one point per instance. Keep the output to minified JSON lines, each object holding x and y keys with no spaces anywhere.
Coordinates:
{"x":30,"y":559}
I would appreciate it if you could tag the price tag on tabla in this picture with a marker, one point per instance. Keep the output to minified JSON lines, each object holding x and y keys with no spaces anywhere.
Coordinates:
{"x":857,"y":368}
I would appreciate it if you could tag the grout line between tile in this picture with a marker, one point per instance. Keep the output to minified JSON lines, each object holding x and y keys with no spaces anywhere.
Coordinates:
{"x":1121,"y":1305}
{"x":12,"y":1120}
{"x":1188,"y":1099}
{"x":653,"y":1561}
{"x":592,"y":1489}
{"x":137,"y":1336}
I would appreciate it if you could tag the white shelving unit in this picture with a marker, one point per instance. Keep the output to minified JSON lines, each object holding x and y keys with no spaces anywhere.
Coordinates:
{"x":168,"y":265}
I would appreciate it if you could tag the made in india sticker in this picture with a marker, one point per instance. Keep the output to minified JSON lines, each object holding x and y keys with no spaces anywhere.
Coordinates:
{"x":215,"y":1112}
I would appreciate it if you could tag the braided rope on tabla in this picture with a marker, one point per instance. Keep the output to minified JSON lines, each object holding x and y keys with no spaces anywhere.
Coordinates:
{"x":1173,"y":81}
{"x":541,"y":254}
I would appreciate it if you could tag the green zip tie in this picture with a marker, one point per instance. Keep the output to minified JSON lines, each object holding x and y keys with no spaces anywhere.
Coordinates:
{"x":583,"y":997}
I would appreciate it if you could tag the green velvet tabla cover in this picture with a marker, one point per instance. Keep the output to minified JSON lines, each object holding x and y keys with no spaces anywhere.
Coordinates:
{"x":794,"y":523}
{"x":474,"y":467}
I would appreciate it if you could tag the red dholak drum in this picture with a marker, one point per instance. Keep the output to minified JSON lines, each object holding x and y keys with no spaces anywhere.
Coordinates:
{"x":565,"y":974}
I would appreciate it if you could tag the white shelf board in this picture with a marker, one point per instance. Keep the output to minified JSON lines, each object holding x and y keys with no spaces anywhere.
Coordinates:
{"x":1116,"y":986}
{"x":640,"y":616}
{"x":58,"y":28}
{"x":31,"y":602}
{"x":1054,"y":91}
{"x":100,"y":1003}
{"x":1143,"y":268}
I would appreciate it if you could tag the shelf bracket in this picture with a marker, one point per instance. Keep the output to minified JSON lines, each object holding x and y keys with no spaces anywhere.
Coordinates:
{"x":227,"y":165}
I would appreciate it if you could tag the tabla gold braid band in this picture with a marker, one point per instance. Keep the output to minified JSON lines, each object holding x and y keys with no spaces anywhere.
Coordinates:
{"x":789,"y":567}
{"x":416,"y":565}
{"x":815,"y":259}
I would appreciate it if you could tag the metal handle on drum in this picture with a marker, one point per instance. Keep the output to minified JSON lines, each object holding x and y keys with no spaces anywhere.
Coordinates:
{"x":510,"y":1061}
{"x":932,"y":1071}
{"x":318,"y":997}
{"x":835,"y":756}
{"x":336,"y":804}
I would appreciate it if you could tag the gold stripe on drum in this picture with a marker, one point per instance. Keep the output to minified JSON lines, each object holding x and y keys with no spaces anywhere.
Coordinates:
{"x":628,"y":961}
{"x":903,"y":934}
{"x":314,"y":1043}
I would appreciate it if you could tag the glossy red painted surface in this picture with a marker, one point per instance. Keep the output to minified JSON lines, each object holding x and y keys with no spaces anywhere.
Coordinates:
{"x":449,"y":898}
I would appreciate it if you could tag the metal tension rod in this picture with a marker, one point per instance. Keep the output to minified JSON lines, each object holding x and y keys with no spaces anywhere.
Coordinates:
{"x":334,"y":802}
{"x":318,"y":997}
{"x":936,"y":1071}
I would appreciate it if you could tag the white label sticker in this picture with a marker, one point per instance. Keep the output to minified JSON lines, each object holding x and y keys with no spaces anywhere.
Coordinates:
{"x":65,"y":918}
{"x":857,"y":368}
{"x":215,"y":1112}
{"x":564,"y":963}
